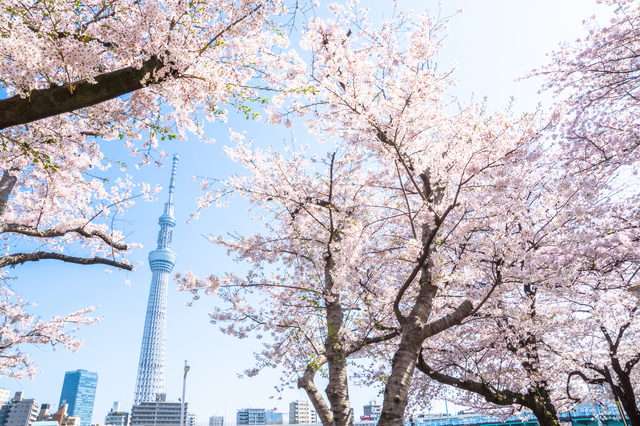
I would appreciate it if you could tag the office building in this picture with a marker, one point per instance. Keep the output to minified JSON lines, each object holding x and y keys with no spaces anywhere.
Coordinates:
{"x":116,"y":417}
{"x":251,"y":416}
{"x":216,"y":421}
{"x":301,"y":412}
{"x":273,"y":418}
{"x":22,"y":412}
{"x":157,"y":413}
{"x":79,"y":393}
{"x":150,"y":379}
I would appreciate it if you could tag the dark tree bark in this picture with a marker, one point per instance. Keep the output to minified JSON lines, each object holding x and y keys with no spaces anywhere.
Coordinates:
{"x":20,"y":258}
{"x":46,"y":103}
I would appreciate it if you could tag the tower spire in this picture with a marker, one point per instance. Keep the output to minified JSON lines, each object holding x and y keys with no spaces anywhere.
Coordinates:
{"x":150,"y":378}
{"x":172,"y":182}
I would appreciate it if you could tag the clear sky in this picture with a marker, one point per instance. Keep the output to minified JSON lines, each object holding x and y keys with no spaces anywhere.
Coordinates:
{"x":494,"y":42}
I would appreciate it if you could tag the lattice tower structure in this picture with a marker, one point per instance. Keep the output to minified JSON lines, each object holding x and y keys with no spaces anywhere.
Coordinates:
{"x":150,"y":380}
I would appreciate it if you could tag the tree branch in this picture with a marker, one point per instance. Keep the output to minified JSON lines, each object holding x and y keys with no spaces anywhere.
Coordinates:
{"x":306,"y":382}
{"x":454,"y":318}
{"x":371,"y":340}
{"x":584,"y":378}
{"x":52,"y":233}
{"x":46,"y":103}
{"x":7,"y":183}
{"x":503,"y":397}
{"x":20,"y":258}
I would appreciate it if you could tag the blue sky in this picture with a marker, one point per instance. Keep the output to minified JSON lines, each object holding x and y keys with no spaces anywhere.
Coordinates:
{"x":494,"y":42}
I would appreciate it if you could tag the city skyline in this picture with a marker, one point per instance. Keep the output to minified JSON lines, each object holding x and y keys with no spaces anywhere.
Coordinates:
{"x":111,"y":347}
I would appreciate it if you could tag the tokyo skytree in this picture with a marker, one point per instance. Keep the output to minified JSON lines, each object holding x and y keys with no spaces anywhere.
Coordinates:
{"x":161,"y":260}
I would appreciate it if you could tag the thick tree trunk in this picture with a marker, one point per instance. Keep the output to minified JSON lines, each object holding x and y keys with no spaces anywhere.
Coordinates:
{"x":539,"y":401}
{"x":404,"y":360}
{"x":545,"y":417}
{"x":415,"y":329}
{"x":397,"y":389}
{"x":338,"y":388}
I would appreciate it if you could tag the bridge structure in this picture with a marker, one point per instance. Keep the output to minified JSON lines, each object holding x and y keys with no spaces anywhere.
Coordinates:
{"x":583,"y":415}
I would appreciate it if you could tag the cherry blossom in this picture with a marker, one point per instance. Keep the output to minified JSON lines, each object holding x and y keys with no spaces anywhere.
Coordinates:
{"x":487,"y":229}
{"x":21,"y":328}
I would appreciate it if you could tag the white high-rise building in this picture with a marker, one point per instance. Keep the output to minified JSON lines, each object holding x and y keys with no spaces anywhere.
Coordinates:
{"x":301,"y":412}
{"x":158,"y":413}
{"x":22,"y":412}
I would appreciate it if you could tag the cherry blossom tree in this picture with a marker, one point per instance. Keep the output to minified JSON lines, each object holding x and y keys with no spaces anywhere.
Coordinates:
{"x":595,"y":80}
{"x":509,"y":357}
{"x":455,"y":173}
{"x":328,"y":228}
{"x":64,"y":57}
{"x":451,"y":176}
{"x":487,"y":213}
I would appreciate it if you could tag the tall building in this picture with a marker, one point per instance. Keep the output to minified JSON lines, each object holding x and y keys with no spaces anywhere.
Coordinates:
{"x":301,"y":412}
{"x":157,"y":413}
{"x":22,"y":412}
{"x":251,"y":416}
{"x":216,"y":421}
{"x":79,"y":392}
{"x":116,"y":417}
{"x":150,"y":380}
